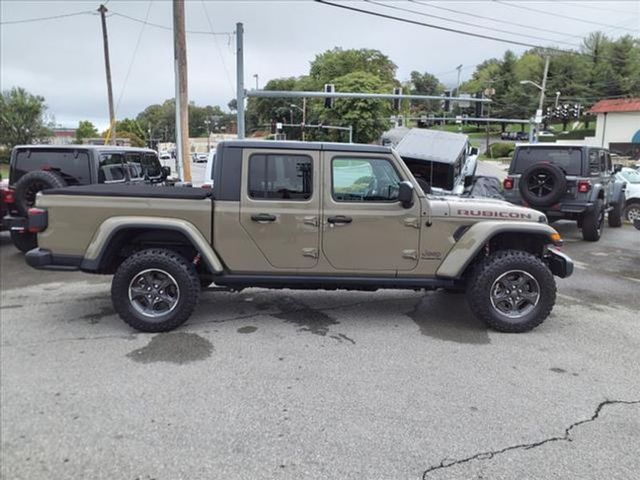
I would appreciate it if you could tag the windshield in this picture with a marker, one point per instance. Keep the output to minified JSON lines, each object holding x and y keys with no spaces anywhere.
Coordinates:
{"x":631,"y":176}
{"x":568,"y":159}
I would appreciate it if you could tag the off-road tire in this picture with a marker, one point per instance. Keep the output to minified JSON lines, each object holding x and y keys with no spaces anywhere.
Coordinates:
{"x":488,"y":270}
{"x":593,"y":223}
{"x":31,"y":183}
{"x":24,"y":241}
{"x":614,"y":217}
{"x":558,"y":189}
{"x":631,"y":211}
{"x":168,"y":261}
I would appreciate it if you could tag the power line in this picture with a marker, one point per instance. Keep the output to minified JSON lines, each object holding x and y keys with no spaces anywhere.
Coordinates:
{"x":558,"y":15}
{"x":224,"y":64}
{"x":42,"y":19}
{"x":133,"y":56}
{"x":439,"y":27}
{"x":493,"y":19}
{"x":164,"y":27}
{"x":469,"y":24}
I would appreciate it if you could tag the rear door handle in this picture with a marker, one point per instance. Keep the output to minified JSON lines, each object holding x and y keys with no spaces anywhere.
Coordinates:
{"x":263,"y":217}
{"x":339,"y":219}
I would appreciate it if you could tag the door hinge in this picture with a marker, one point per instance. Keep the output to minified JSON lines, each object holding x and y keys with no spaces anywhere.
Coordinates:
{"x":310,"y":252}
{"x":412,"y":222}
{"x":410,"y":254}
{"x":311,"y":221}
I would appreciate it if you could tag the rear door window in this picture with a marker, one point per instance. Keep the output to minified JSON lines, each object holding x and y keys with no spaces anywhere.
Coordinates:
{"x":111,"y":168}
{"x":568,"y":160}
{"x":71,"y":165}
{"x":280,"y":177}
{"x":151,"y":165}
{"x":134,"y":164}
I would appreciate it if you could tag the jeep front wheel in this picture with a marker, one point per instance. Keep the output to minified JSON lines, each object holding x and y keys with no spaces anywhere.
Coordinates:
{"x":155,"y":290}
{"x":511,"y":291}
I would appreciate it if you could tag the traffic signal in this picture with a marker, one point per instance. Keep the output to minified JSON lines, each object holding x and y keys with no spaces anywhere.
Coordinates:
{"x":397,"y":101}
{"x":447,"y":102}
{"x":328,"y":101}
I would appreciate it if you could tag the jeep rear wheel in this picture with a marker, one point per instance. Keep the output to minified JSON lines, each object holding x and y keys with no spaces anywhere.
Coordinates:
{"x":614,"y":217}
{"x":593,"y":223}
{"x":511,"y":291}
{"x":155,"y":290}
{"x":24,"y":241}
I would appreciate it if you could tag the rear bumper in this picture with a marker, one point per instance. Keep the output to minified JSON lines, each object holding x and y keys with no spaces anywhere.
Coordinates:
{"x":43,"y":259}
{"x":559,"y":263}
{"x":11,"y":222}
{"x":559,"y":209}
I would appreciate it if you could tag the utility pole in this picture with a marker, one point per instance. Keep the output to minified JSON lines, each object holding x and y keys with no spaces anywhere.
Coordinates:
{"x":107,"y":66}
{"x":183,"y":161}
{"x":459,"y":68}
{"x":304,"y":115}
{"x":240,"y":79}
{"x":542,"y":90}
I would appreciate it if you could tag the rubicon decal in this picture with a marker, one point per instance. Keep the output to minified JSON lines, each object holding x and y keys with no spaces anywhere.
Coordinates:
{"x":494,"y":214}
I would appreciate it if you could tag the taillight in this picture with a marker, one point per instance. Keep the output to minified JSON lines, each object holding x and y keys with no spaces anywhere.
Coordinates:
{"x":38,"y":220}
{"x":205,"y":185}
{"x":584,"y":186}
{"x":507,"y":183}
{"x":7,"y":195}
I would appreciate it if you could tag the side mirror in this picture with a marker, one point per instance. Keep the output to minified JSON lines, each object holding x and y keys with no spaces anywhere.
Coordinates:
{"x":166,"y":172}
{"x":617,"y":168}
{"x":405,"y":194}
{"x":473,"y":151}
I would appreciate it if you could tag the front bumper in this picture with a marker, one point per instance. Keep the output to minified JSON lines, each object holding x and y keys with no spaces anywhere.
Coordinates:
{"x":43,"y":259}
{"x":559,"y":263}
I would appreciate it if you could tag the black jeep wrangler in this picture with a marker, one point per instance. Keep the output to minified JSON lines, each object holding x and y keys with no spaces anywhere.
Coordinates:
{"x":39,"y":167}
{"x":567,"y":182}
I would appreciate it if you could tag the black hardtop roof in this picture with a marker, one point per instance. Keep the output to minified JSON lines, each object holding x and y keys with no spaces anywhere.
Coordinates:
{"x":84,"y":147}
{"x":558,"y":146}
{"x":295,"y":145}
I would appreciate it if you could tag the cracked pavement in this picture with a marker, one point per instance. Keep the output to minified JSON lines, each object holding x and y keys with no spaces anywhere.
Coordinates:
{"x":283,"y":384}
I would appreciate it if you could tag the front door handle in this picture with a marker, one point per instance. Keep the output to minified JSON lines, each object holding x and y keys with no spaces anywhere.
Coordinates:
{"x":339,"y":219}
{"x":263,"y":217}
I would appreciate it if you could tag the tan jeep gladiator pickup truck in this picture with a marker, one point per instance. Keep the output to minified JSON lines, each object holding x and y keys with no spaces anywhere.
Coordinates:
{"x":302,"y":216}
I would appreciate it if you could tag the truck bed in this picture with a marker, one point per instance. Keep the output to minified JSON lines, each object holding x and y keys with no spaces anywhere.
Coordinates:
{"x":133,"y":191}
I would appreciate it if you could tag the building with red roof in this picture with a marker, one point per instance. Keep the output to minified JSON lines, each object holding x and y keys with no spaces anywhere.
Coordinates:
{"x":618,"y":121}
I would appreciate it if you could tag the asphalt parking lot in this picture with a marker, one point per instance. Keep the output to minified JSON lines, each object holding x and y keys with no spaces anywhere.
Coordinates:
{"x":283,"y":384}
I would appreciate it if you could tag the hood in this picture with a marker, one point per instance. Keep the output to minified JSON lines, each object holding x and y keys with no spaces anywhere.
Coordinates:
{"x":492,"y":209}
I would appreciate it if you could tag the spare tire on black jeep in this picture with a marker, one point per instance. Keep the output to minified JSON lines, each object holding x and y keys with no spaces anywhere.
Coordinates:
{"x":542,"y":184}
{"x":30,"y":184}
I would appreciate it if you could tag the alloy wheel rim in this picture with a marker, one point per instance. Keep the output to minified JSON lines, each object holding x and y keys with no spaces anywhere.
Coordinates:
{"x":633,"y":213}
{"x":154,"y":293}
{"x":515,"y":293}
{"x":541,"y":184}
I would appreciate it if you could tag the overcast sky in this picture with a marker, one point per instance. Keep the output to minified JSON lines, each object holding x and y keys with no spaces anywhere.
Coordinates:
{"x":62,"y":59}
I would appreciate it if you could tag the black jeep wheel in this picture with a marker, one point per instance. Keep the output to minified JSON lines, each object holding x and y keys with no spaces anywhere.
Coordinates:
{"x":30,"y":184}
{"x":614,"y":217}
{"x":155,"y":290}
{"x":593,"y":223}
{"x":542,"y":184}
{"x":24,"y":241}
{"x":511,"y":291}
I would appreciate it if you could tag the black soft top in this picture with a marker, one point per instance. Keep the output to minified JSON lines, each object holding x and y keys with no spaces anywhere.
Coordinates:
{"x":135,"y":191}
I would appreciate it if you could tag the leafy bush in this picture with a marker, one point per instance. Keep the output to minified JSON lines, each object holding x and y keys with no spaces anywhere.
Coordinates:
{"x":504,"y":149}
{"x":578,"y":134}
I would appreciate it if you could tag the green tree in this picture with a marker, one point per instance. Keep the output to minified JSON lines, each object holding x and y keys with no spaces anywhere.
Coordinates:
{"x":22,"y":117}
{"x":336,"y":63}
{"x":369,"y":118}
{"x":85,"y":129}
{"x":425,"y":84}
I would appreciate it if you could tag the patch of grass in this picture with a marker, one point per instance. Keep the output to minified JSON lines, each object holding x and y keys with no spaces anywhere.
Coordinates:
{"x":4,"y":171}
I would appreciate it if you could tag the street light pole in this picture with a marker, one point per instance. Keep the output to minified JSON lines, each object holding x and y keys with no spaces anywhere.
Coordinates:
{"x":542,"y":88}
